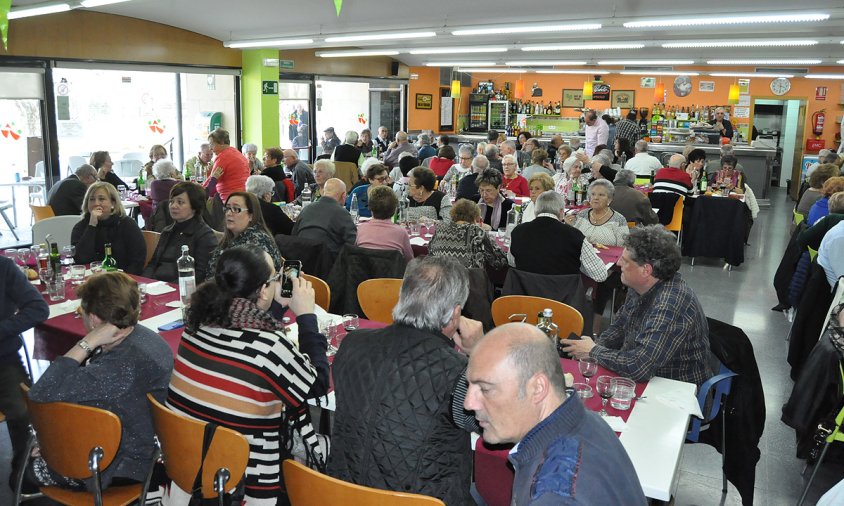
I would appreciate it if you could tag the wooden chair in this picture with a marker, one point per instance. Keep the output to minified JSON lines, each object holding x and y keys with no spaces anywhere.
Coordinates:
{"x":676,"y":224}
{"x":568,"y":319}
{"x":377,"y":297}
{"x":80,"y":446}
{"x":151,"y":239}
{"x":181,"y":445}
{"x":321,"y":289}
{"x":306,"y":487}
{"x":41,"y":212}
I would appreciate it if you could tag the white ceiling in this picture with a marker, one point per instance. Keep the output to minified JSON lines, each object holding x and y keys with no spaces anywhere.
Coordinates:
{"x":258,"y":19}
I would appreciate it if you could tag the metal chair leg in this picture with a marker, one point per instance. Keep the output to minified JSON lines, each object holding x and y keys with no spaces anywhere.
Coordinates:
{"x":723,"y":449}
{"x":28,"y":361}
{"x":812,"y":477}
{"x":9,"y":223}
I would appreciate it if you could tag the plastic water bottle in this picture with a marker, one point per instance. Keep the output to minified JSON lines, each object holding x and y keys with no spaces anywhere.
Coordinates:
{"x":512,"y":217}
{"x":353,"y":207}
{"x":306,"y":196}
{"x":187,"y":276}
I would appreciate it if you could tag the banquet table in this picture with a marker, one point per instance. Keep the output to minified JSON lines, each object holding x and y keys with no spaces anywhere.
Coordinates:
{"x":37,"y":182}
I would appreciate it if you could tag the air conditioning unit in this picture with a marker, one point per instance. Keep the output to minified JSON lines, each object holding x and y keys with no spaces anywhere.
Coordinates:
{"x":648,"y":68}
{"x":784,"y":70}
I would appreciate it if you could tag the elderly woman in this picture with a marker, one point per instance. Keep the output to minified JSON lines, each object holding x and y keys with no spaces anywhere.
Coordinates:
{"x":696,"y":159}
{"x":539,"y":184}
{"x":364,"y":143}
{"x":816,"y":182}
{"x":250,"y":151}
{"x":275,"y":219}
{"x":323,"y":171}
{"x":465,"y":154}
{"x":166,"y":176}
{"x":820,"y":208}
{"x":105,"y":222}
{"x":380,"y":232}
{"x":239,"y":368}
{"x":245,"y":227}
{"x":464,"y":240}
{"x":728,"y":176}
{"x":443,"y":162}
{"x":187,"y":201}
{"x":480,"y":149}
{"x":571,"y":179}
{"x":376,"y":175}
{"x":493,"y":206}
{"x":125,"y":362}
{"x":600,"y":224}
{"x":563,"y":154}
{"x":101,"y":161}
{"x":538,"y":163}
{"x":424,"y":201}
{"x":514,"y":185}
{"x":156,"y":153}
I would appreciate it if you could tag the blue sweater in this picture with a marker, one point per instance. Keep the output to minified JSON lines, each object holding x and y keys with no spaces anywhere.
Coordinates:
{"x":21,"y":308}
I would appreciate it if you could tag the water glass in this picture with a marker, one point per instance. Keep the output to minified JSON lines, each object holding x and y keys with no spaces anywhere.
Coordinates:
{"x":96,"y":267}
{"x":582,"y":390}
{"x":67,"y":254}
{"x":624,"y":389}
{"x":588,"y":367}
{"x":122,"y":190}
{"x":142,"y":290}
{"x":415,"y":228}
{"x":55,"y":286}
{"x":45,"y":275}
{"x":77,"y":274}
{"x":351,"y":322}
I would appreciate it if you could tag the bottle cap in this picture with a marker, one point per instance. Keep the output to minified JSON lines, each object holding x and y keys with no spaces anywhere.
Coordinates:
{"x":547,"y":312}
{"x":185,"y":248}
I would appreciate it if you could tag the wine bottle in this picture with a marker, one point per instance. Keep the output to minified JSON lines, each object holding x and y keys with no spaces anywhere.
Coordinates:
{"x":109,"y":263}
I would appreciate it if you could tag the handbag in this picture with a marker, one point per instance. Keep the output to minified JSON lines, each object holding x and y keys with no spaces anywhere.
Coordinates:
{"x":196,"y":498}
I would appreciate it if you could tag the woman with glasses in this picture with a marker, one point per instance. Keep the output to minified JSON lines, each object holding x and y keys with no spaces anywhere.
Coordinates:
{"x":425,"y":201}
{"x":237,"y":366}
{"x":465,"y":155}
{"x":514,"y":185}
{"x":493,"y":205}
{"x":245,"y":227}
{"x":377,"y":175}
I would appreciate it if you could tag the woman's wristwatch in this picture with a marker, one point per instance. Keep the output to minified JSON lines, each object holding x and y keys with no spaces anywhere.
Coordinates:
{"x":85,"y":346}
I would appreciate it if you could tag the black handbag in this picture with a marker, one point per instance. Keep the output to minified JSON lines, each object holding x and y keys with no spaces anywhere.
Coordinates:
{"x":196,"y":498}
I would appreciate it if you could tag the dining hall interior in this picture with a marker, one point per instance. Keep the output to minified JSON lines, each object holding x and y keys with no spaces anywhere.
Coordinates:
{"x":79,"y":77}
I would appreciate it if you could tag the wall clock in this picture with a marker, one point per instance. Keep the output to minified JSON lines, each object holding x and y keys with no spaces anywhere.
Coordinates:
{"x":780,"y":86}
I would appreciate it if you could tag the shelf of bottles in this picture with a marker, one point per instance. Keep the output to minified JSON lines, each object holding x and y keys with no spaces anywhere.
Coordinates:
{"x":672,"y":123}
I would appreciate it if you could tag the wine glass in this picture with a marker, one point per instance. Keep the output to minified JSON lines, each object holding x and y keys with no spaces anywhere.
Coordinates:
{"x":67,"y":254}
{"x":45,"y":275}
{"x":605,"y":387}
{"x":588,"y":367}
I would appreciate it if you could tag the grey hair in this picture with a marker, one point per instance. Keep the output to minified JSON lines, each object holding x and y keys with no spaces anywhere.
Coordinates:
{"x":481,"y":145}
{"x":641,"y":146}
{"x":351,"y":137}
{"x":249,"y":148}
{"x":163,"y":169}
{"x":326,"y":165}
{"x":550,"y":202}
{"x":466,"y":149}
{"x":836,"y":203}
{"x":510,"y":158}
{"x":480,"y":163}
{"x":605,"y":183}
{"x":491,"y":150}
{"x":657,"y":246}
{"x":85,"y":170}
{"x":424,"y":139}
{"x":260,"y":185}
{"x":830,"y":157}
{"x":204,"y":146}
{"x":432,"y":287}
{"x":625,"y":177}
{"x":509,"y":144}
{"x":537,"y":355}
{"x":370,"y":161}
{"x":601,"y":158}
{"x":405,"y":155}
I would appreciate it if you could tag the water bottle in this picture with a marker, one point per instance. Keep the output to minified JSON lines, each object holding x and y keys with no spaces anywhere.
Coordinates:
{"x":306,"y":196}
{"x":353,"y":207}
{"x":187,"y":276}
{"x":623,"y":159}
{"x":512,"y":216}
{"x":404,"y":204}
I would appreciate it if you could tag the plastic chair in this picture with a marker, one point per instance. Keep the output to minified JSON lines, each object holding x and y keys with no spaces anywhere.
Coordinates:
{"x":676,"y":224}
{"x":151,"y":239}
{"x":74,"y":162}
{"x":321,"y":289}
{"x":59,"y":227}
{"x":798,"y":217}
{"x":568,"y":319}
{"x":643,"y":180}
{"x":4,"y":206}
{"x":41,"y":212}
{"x":812,"y":253}
{"x":377,"y":297}
{"x":181,"y":446}
{"x":712,"y":394}
{"x":306,"y":487}
{"x":83,"y":444}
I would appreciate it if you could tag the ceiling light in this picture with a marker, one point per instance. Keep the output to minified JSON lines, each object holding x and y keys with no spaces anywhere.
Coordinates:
{"x":380,"y":36}
{"x":646,"y":62}
{"x":527,"y":29}
{"x":38,"y":11}
{"x":362,"y":52}
{"x":728,"y":20}
{"x":575,"y":71}
{"x":748,"y":74}
{"x":739,"y":43}
{"x":98,"y":3}
{"x":656,"y":73}
{"x":268,"y":43}
{"x":824,"y":76}
{"x":460,"y":64}
{"x":494,"y":70}
{"x":764,"y":62}
{"x":453,"y":50}
{"x":544,"y":63}
{"x":840,"y":62}
{"x":580,"y":47}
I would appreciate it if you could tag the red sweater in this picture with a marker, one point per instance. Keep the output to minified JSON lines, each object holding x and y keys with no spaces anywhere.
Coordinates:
{"x":235,"y":171}
{"x":517,"y":185}
{"x":440,"y":165}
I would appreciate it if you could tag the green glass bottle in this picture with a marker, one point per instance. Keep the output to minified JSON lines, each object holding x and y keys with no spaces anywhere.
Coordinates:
{"x":109,"y":263}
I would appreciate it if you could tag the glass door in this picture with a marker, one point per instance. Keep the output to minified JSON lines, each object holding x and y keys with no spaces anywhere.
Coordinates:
{"x":295,"y":116}
{"x":386,"y":107}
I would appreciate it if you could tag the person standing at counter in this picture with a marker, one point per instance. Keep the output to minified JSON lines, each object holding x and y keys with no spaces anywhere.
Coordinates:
{"x":627,"y":128}
{"x":597,"y":132}
{"x":722,"y":125}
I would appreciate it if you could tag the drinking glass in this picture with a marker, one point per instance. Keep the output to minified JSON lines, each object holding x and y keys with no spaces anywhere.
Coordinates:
{"x":351,"y":322}
{"x":415,"y":227}
{"x":329,"y":330}
{"x":77,"y":274}
{"x":122,"y":190}
{"x":67,"y":254}
{"x":624,"y":390}
{"x":96,"y":267}
{"x":582,"y":390}
{"x":55,"y":286}
{"x":604,"y":386}
{"x":142,"y":291}
{"x":44,"y":275}
{"x":588,"y":367}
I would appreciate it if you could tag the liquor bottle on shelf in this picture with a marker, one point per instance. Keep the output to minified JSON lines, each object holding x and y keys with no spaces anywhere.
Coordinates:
{"x":557,"y":108}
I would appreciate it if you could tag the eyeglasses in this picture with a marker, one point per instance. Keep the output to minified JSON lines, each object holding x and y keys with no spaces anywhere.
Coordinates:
{"x":276,"y":277}
{"x":233,"y":209}
{"x":381,"y":179}
{"x":465,"y":157}
{"x":509,"y":164}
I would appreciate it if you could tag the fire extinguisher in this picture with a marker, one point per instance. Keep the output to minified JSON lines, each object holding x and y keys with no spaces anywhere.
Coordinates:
{"x":818,"y":120}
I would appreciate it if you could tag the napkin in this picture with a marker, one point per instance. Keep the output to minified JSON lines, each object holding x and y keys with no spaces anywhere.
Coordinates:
{"x":683,"y":401}
{"x":65,"y":307}
{"x":159,"y":288}
{"x":418,"y":241}
{"x":615,"y":423}
{"x":162,"y":319}
{"x":569,"y":377}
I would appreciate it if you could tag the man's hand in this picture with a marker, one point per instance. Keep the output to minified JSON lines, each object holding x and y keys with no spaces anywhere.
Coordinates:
{"x":469,"y":332}
{"x":578,"y":348}
{"x":582,"y":157}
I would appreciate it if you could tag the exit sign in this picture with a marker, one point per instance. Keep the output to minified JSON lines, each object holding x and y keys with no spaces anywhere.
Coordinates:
{"x":269,"y":88}
{"x":285,"y":64}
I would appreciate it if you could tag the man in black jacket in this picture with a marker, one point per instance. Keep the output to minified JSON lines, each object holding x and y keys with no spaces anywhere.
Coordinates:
{"x":65,"y":197}
{"x":393,"y":427}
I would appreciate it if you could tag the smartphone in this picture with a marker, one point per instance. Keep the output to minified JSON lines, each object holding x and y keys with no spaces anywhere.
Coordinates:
{"x":172,"y":325}
{"x":572,"y":337}
{"x":289,"y":270}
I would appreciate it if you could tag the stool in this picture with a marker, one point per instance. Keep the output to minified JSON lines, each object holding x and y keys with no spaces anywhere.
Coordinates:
{"x":3,"y":206}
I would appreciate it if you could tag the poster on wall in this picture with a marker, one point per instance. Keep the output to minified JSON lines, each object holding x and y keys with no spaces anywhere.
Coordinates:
{"x":744,"y":100}
{"x":744,"y":86}
{"x":446,"y":110}
{"x":820,"y":93}
{"x":424,"y":101}
{"x":647,"y":82}
{"x":600,"y":91}
{"x":572,"y":98}
{"x":622,"y":98}
{"x":682,"y":86}
{"x":741,"y":112}
{"x":706,"y":86}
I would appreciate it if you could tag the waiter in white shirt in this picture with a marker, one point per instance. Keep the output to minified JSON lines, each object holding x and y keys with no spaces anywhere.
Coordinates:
{"x":597,"y":132}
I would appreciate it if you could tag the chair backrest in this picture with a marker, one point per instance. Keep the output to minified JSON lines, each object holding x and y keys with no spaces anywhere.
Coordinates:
{"x":306,"y":487}
{"x":151,"y":239}
{"x":66,"y":446}
{"x":59,"y":227}
{"x":135,"y":155}
{"x":315,"y":257}
{"x":643,"y":180}
{"x":568,"y":319}
{"x":181,"y":443}
{"x":710,"y":397}
{"x":322,"y":291}
{"x":41,"y":212}
{"x":676,"y":223}
{"x":39,"y":169}
{"x":127,"y":168}
{"x":348,"y":173}
{"x":798,"y":217}
{"x":377,"y":297}
{"x":666,"y":203}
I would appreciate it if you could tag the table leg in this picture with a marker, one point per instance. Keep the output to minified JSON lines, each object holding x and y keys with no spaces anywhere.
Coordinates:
{"x":14,"y":209}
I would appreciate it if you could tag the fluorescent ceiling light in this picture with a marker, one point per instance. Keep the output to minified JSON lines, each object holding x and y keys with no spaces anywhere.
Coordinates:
{"x":38,"y":11}
{"x":268,"y":43}
{"x":380,"y":36}
{"x":840,"y":62}
{"x":98,"y":3}
{"x":728,"y":20}
{"x":575,"y":71}
{"x":748,"y":74}
{"x":656,"y":73}
{"x":362,"y":52}
{"x":824,"y":76}
{"x":527,"y":29}
{"x":458,"y":50}
{"x":543,"y":63}
{"x":494,"y":70}
{"x":460,"y":64}
{"x":739,"y":43}
{"x":580,"y":47}
{"x":646,"y":62}
{"x":765,"y":62}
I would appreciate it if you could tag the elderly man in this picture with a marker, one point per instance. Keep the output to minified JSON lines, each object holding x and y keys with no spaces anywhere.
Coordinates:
{"x":723,"y":126}
{"x":425,"y":148}
{"x":509,"y":148}
{"x":329,"y":141}
{"x":630,"y":202}
{"x":393,"y":428}
{"x":200,"y":165}
{"x":300,"y":172}
{"x":65,"y":197}
{"x":466,"y":188}
{"x":377,"y":175}
{"x":548,"y":245}
{"x":301,"y":140}
{"x":327,"y":220}
{"x":553,"y":145}
{"x":396,"y":148}
{"x":276,"y":220}
{"x":231,"y":168}
{"x":565,"y":454}
{"x":643,"y":164}
{"x":383,"y":139}
{"x":348,"y":152}
{"x":627,"y":128}
{"x":661,"y":329}
{"x":673,"y":178}
{"x":597,"y":132}
{"x":491,"y":153}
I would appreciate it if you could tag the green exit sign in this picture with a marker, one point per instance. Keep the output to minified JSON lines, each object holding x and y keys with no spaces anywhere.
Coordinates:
{"x":269,"y":88}
{"x":285,"y":64}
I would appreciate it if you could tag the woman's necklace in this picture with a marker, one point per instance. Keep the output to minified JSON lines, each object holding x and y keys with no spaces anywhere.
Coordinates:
{"x":599,"y":219}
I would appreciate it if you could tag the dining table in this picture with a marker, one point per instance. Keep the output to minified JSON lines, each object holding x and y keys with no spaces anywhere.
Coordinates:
{"x":29,"y":183}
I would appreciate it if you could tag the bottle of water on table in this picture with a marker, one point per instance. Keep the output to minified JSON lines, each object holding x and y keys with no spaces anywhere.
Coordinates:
{"x":187,"y":276}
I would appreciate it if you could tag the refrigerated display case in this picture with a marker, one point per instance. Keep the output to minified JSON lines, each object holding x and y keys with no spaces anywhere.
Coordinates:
{"x":499,"y":114}
{"x":478,"y":112}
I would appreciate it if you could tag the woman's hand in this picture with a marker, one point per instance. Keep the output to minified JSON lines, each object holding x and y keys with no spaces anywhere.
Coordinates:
{"x":97,"y":214}
{"x":570,"y":219}
{"x":102,"y":172}
{"x":303,"y":298}
{"x":600,"y":246}
{"x":107,"y":336}
{"x":217,"y":172}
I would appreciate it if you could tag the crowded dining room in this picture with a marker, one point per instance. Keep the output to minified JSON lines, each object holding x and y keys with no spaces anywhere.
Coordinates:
{"x":346,"y":252}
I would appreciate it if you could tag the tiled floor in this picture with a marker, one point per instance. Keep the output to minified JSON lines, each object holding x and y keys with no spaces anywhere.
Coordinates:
{"x":742,"y":297}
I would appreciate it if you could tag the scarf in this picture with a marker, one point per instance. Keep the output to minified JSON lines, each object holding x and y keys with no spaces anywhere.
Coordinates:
{"x":496,"y":211}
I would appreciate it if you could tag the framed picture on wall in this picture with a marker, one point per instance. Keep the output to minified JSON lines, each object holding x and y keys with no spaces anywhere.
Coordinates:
{"x":622,"y":98}
{"x":424,"y":101}
{"x":572,"y":98}
{"x":647,"y":82}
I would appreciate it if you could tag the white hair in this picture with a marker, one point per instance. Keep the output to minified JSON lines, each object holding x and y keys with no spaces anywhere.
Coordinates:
{"x":164,"y":169}
{"x":509,"y":158}
{"x":249,"y":148}
{"x":260,"y":185}
{"x":326,"y":165}
{"x":351,"y":137}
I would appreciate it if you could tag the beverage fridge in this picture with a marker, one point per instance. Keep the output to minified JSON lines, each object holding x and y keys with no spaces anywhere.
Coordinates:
{"x":499,"y":114}
{"x":478,"y":113}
